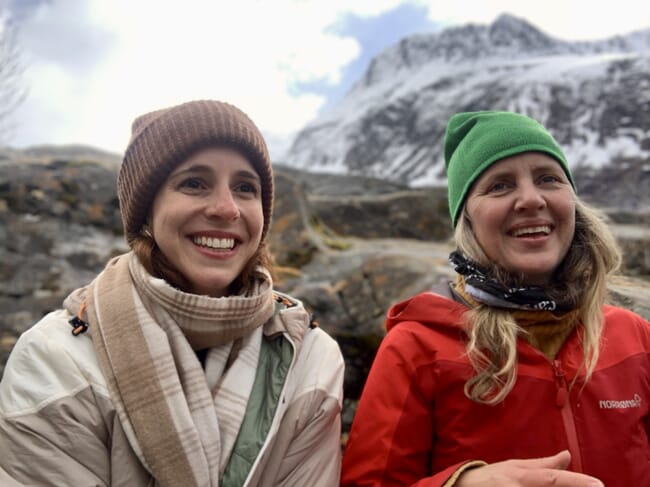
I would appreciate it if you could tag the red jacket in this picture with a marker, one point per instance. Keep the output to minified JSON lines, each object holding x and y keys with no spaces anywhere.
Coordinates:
{"x":415,"y":426}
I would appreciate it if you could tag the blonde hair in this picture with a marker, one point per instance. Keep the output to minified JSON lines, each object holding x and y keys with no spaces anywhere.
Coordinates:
{"x":144,"y":246}
{"x":581,"y":280}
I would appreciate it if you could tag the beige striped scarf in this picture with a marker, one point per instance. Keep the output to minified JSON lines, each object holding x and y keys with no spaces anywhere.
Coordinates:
{"x":182,"y":421}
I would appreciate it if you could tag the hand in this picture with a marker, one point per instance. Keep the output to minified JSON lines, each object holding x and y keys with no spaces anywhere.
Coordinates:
{"x":536,"y":472}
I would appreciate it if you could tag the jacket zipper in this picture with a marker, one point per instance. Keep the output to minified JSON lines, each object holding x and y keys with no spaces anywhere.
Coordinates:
{"x":562,"y":401}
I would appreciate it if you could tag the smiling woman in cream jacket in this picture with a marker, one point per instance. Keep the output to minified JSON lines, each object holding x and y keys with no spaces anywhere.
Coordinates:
{"x":179,"y":364}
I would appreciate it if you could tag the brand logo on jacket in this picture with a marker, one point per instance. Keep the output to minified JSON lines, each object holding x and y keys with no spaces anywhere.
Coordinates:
{"x":623,"y":404}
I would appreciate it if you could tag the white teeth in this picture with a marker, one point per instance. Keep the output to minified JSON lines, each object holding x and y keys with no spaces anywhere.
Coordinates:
{"x":545,"y":229}
{"x":214,"y":243}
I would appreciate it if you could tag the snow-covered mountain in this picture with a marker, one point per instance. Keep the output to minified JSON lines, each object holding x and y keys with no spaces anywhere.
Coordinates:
{"x":593,"y":96}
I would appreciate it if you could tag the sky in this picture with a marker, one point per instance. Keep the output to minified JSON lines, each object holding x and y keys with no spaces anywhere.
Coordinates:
{"x":91,"y":66}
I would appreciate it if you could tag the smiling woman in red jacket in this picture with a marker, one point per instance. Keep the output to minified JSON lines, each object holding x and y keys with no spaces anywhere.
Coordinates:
{"x":517,"y":373}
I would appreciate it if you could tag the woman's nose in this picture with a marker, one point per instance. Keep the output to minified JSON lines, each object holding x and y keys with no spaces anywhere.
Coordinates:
{"x":222,"y":205}
{"x":529,"y":196}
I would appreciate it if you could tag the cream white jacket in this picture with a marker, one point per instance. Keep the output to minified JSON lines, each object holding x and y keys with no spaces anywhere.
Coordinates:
{"x":58,"y":425}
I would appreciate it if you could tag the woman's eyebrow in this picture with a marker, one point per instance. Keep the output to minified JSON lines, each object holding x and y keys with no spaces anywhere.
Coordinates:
{"x":547,"y":167}
{"x":495,"y":175}
{"x":248,"y":174}
{"x":194,"y":168}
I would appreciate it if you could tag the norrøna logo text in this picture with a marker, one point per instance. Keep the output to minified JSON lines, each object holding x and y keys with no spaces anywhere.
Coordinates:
{"x":625,"y":404}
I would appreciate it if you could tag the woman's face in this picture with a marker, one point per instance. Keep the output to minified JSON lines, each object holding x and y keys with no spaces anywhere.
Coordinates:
{"x":522,"y":211}
{"x":207,"y":218}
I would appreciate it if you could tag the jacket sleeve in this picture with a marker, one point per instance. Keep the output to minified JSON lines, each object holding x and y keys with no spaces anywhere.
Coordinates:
{"x":392,"y":437}
{"x":51,"y":429}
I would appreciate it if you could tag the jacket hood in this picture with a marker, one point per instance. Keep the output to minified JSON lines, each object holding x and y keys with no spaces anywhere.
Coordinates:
{"x":427,"y":308}
{"x":290,"y":317}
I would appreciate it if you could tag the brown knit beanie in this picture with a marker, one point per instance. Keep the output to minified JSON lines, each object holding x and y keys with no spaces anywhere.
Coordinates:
{"x":163,"y":139}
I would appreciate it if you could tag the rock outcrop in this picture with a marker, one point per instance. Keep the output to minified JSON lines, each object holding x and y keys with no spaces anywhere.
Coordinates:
{"x":349,"y":247}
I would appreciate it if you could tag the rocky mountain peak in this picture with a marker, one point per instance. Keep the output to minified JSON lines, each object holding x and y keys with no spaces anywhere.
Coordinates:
{"x":507,"y":36}
{"x":512,"y":32}
{"x":593,"y":96}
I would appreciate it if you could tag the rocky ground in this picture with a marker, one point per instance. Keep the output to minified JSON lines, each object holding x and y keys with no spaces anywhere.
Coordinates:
{"x":348,"y":246}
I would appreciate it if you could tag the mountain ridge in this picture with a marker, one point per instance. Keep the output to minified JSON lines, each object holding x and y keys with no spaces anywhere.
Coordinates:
{"x":594,"y":96}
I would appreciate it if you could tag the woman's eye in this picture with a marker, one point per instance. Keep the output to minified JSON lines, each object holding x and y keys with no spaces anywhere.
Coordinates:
{"x":500,"y":186}
{"x":246,"y":188}
{"x":192,"y":183}
{"x":549,"y":178}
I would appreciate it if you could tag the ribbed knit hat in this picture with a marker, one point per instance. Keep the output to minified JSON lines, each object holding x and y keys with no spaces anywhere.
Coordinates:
{"x":476,"y":140}
{"x":163,"y":139}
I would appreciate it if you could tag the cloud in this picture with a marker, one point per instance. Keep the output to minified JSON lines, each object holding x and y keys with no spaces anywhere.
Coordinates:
{"x":92,"y":66}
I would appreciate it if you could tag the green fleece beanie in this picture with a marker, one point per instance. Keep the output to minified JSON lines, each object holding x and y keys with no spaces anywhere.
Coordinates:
{"x":476,"y":140}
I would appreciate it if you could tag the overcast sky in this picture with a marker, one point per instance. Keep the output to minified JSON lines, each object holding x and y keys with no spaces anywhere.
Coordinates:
{"x":91,"y":66}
